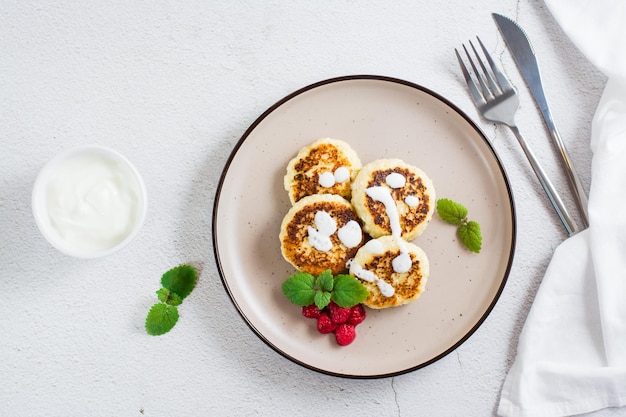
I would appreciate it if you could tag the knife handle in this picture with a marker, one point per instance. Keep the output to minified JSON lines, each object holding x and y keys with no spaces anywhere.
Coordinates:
{"x":573,"y":177}
{"x":545,"y":182}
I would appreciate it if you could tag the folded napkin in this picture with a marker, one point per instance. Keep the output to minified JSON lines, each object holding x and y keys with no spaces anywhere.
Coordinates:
{"x":571,"y":357}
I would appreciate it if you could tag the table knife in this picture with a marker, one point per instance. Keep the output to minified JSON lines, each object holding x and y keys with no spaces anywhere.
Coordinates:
{"x":523,"y":55}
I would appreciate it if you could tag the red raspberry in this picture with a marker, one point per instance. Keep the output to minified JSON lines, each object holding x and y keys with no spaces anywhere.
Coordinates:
{"x":338,"y":314}
{"x":345,"y":334}
{"x":311,"y":311}
{"x":357,"y":315}
{"x":325,"y":324}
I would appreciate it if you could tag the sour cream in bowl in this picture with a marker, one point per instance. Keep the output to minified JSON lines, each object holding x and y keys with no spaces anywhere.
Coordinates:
{"x":89,"y":201}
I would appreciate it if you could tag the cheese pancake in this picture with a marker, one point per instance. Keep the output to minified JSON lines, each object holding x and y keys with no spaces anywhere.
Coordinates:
{"x":320,"y":232}
{"x":413,"y":195}
{"x":394,"y":271}
{"x":327,"y":166}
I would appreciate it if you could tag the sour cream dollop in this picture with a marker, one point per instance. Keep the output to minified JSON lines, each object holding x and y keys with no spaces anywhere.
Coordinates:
{"x":93,"y":201}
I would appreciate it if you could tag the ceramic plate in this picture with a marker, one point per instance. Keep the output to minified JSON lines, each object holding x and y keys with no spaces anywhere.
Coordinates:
{"x":379,"y":117}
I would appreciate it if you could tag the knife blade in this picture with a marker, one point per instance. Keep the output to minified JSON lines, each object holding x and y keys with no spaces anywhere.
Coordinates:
{"x":519,"y":45}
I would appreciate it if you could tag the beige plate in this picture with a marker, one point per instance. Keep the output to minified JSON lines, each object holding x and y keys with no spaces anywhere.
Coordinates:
{"x":380,"y":117}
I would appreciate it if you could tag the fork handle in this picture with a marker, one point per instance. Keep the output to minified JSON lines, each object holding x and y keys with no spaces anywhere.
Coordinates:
{"x":553,"y":196}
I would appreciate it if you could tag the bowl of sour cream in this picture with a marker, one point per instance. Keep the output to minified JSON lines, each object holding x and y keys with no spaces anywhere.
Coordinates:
{"x":89,"y":201}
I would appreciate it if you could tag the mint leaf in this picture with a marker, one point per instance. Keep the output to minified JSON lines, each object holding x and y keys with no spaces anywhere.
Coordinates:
{"x":300,"y":288}
{"x":467,"y":231}
{"x":325,"y":281}
{"x":162,"y":294}
{"x":304,"y":289}
{"x":348,"y":291}
{"x":451,"y":212}
{"x":173,"y":299}
{"x":322,"y":299}
{"x":177,"y":283}
{"x":470,"y":236}
{"x":161,"y":318}
{"x":180,"y":280}
{"x":168,"y":297}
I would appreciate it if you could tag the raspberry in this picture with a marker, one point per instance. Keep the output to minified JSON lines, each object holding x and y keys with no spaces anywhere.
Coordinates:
{"x":357,"y":315}
{"x":325,"y":324}
{"x":345,"y":334}
{"x":311,"y":312}
{"x":338,"y":314}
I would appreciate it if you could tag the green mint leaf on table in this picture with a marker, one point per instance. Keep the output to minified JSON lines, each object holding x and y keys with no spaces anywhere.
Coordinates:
{"x":322,"y":299}
{"x":161,"y":318}
{"x":168,"y":297}
{"x":180,"y":280}
{"x":162,"y":294}
{"x":303,"y":289}
{"x":470,"y":236}
{"x":348,"y":291}
{"x":300,"y":289}
{"x":177,"y":284}
{"x":451,"y":212}
{"x":468,"y":231}
{"x":325,"y":281}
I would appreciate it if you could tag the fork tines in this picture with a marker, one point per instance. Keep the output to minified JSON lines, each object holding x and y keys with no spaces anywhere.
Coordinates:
{"x":492,"y":82}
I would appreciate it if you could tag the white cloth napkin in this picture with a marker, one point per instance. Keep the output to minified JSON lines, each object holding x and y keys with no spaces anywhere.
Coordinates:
{"x":571,"y":357}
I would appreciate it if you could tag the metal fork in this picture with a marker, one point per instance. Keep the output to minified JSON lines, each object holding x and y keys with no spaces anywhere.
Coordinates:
{"x":497,"y":101}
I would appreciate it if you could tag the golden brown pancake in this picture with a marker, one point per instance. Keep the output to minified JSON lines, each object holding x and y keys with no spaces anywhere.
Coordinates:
{"x":414,"y":200}
{"x":377,"y":258}
{"x":301,"y":231}
{"x":333,"y":159}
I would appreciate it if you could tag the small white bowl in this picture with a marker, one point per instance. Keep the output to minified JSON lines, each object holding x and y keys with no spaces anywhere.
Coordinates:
{"x":89,"y":201}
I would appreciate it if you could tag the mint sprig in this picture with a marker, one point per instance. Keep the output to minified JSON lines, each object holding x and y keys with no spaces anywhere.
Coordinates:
{"x":180,"y":280}
{"x":177,"y":284}
{"x":300,"y":288}
{"x":348,"y":291}
{"x":161,"y":318}
{"x":303,"y":289}
{"x":168,"y":297}
{"x":467,"y":230}
{"x":451,"y":212}
{"x":470,"y":236}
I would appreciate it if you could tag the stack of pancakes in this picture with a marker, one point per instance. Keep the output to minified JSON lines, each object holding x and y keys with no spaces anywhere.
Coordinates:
{"x":332,"y":194}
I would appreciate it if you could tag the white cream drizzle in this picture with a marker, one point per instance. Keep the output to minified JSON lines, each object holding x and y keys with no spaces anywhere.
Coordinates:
{"x":401,"y":263}
{"x":385,"y":288}
{"x":327,"y":179}
{"x":382,"y":194}
{"x":349,"y":234}
{"x":395,"y":180}
{"x":412,"y":201}
{"x":319,"y":236}
{"x":358,"y":271}
{"x":319,"y":241}
{"x":342,"y":174}
{"x":325,"y":223}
